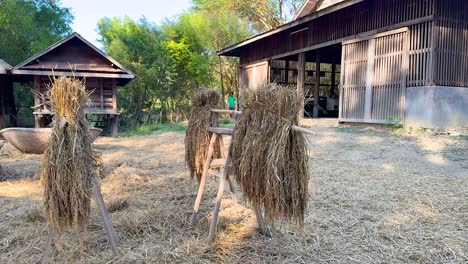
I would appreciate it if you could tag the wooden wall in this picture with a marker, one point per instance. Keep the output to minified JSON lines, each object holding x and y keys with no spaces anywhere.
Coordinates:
{"x":368,"y":16}
{"x":451,"y":43}
{"x":254,"y":75}
{"x":103,"y":98}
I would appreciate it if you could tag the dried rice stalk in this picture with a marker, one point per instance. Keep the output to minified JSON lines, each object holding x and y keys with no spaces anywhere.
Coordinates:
{"x":67,"y":165}
{"x":197,"y":137}
{"x":270,"y":159}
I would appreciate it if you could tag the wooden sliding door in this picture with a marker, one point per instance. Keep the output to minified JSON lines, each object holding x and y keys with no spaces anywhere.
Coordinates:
{"x":374,"y":79}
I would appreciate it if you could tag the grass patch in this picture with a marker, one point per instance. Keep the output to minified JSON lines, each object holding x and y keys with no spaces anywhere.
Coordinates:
{"x":460,"y":137}
{"x":155,"y":129}
{"x":226,"y":123}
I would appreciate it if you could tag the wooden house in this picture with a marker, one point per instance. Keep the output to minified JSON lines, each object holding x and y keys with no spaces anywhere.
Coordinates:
{"x":369,"y":61}
{"x":7,"y":102}
{"x":75,"y":56}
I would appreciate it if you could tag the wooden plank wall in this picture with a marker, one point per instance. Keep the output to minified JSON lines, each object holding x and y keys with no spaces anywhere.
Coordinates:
{"x":101,"y":99}
{"x":362,"y":17}
{"x":451,"y":37}
{"x":354,"y":71}
{"x":255,"y":75}
{"x":420,"y":55}
{"x":373,"y":76}
{"x":388,"y":90}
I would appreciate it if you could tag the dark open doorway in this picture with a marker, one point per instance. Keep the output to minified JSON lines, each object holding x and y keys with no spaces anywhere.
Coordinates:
{"x":322,"y":70}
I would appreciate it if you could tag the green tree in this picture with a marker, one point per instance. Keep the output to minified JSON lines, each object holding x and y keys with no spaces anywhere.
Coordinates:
{"x":168,"y":61}
{"x":27,"y":27}
{"x":262,"y":15}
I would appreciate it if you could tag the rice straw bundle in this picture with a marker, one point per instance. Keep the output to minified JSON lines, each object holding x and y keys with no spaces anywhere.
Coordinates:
{"x":270,"y":159}
{"x":67,"y":165}
{"x":197,"y":137}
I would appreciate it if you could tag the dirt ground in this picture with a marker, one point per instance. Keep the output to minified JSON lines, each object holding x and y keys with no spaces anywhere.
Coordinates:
{"x":375,"y":197}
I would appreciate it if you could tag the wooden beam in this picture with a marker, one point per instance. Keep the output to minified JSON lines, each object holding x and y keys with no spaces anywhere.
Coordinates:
{"x":114,"y":126}
{"x":114,"y":95}
{"x":221,"y":131}
{"x":76,"y":74}
{"x":349,"y":38}
{"x":215,"y":129}
{"x":300,"y":83}
{"x":369,"y":79}
{"x":289,"y":25}
{"x":333,"y":79}
{"x":101,"y":89}
{"x":342,"y":80}
{"x":317,"y":85}
{"x":37,"y":99}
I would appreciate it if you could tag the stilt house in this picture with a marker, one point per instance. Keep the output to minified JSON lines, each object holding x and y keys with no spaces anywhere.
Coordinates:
{"x":75,"y":56}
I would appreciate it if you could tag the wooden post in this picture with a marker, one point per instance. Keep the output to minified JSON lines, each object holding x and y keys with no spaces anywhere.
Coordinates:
{"x":317,"y":85}
{"x":260,"y":220}
{"x":11,"y":98}
{"x":219,"y":197}
{"x":105,"y":217}
{"x":48,"y":248}
{"x":224,"y":155}
{"x":342,"y":81}
{"x":369,"y":80}
{"x":100,"y":83}
{"x":37,"y":101}
{"x":114,"y":125}
{"x":203,"y":179}
{"x":300,"y":82}
{"x":37,"y":121}
{"x":333,"y":79}
{"x":114,"y":96}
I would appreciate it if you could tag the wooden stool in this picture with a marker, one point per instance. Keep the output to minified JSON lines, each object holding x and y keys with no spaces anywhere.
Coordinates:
{"x":223,"y":164}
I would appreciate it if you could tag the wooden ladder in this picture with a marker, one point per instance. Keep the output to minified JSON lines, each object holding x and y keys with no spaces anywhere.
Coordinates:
{"x":223,"y":165}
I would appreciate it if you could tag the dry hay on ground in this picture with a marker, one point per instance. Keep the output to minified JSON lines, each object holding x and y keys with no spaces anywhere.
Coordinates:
{"x":197,"y":137}
{"x":67,"y":165}
{"x":269,"y":158}
{"x":377,"y":198}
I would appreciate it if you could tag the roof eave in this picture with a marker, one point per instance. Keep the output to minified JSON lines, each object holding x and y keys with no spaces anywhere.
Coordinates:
{"x":64,"y":40}
{"x":75,"y":74}
{"x":302,"y":20}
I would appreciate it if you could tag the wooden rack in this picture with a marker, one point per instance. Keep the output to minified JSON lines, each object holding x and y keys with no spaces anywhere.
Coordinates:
{"x":224,"y":165}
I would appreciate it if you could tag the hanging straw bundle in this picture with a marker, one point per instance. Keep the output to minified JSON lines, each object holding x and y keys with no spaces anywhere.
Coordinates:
{"x":197,"y":137}
{"x":67,"y":166}
{"x":270,"y":159}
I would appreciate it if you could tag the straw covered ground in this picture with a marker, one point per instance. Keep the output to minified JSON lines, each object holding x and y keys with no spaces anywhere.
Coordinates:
{"x":376,"y":197}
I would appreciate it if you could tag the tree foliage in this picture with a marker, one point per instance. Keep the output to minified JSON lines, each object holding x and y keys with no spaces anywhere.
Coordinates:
{"x":27,"y":27}
{"x":262,"y":15}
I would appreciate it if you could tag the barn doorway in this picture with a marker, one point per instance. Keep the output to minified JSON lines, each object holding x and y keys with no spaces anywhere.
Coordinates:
{"x":322,"y":69}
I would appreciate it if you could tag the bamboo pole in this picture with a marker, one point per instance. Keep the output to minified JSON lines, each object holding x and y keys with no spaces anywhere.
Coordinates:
{"x":48,"y":248}
{"x":234,"y":112}
{"x":105,"y":217}
{"x":201,"y":187}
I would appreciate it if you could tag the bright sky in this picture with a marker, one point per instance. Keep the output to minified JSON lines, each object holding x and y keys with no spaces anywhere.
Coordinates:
{"x":88,"y":12}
